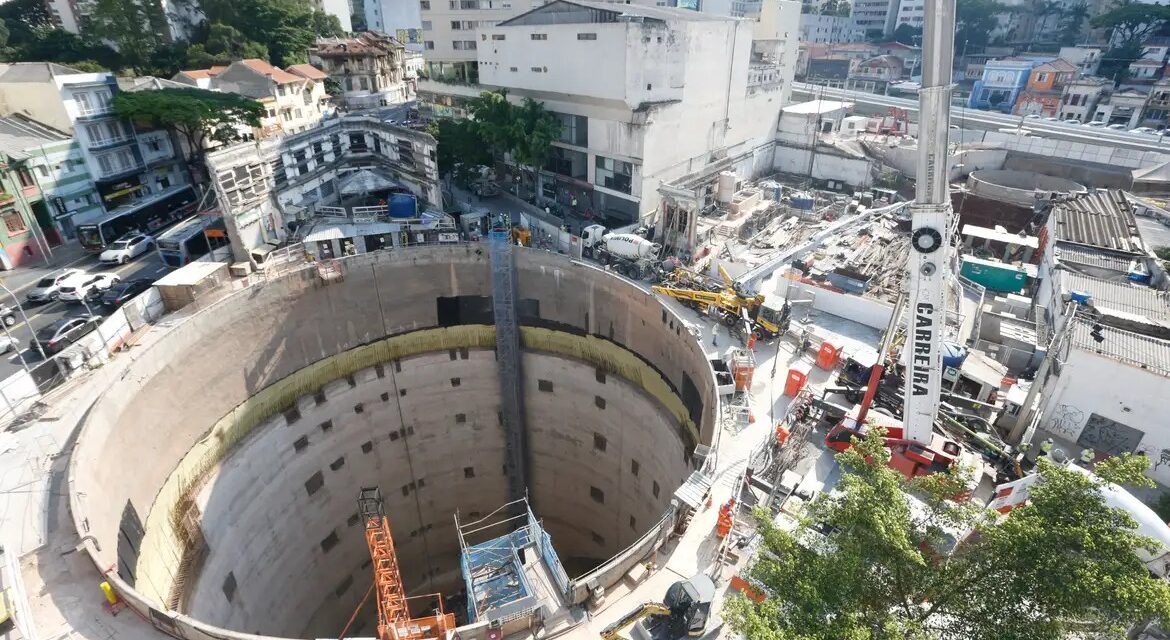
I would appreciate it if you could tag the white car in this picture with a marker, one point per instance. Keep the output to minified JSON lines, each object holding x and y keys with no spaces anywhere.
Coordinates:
{"x":8,"y":343}
{"x":1095,"y":123}
{"x":47,"y":288}
{"x":1033,"y":116}
{"x":87,"y":286}
{"x":127,"y":248}
{"x":1149,"y":131}
{"x":1116,"y":127}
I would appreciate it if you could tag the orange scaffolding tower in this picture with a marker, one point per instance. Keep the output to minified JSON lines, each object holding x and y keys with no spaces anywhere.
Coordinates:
{"x":394,"y":621}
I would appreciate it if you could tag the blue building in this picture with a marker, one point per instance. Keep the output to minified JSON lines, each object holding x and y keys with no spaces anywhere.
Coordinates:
{"x":1003,"y":81}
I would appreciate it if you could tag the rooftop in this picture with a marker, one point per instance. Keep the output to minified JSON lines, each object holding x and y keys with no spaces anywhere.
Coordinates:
{"x":33,"y":71}
{"x":813,"y":107}
{"x":1128,"y":300}
{"x":264,"y":68}
{"x":149,"y":83}
{"x":1094,"y":257}
{"x":1102,"y":218}
{"x":362,"y":43}
{"x":1058,"y":65}
{"x":583,"y":12}
{"x":1144,"y":352}
{"x":307,"y":71}
{"x":1146,"y":62}
{"x":19,"y":133}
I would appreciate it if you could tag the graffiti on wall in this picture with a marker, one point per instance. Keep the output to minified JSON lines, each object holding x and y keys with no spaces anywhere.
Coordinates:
{"x":1107,"y":436}
{"x":1066,"y":419}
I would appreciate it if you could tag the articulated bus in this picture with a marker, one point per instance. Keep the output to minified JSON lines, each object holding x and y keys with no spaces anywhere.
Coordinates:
{"x":145,"y":216}
{"x":191,"y":239}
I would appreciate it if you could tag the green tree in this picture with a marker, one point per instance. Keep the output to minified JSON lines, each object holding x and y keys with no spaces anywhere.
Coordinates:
{"x":974,"y":22}
{"x":1064,"y":565}
{"x":494,"y":116}
{"x":461,"y":148}
{"x":840,"y":8}
{"x":1115,"y":62}
{"x":224,"y":43}
{"x":534,"y":130}
{"x":49,"y":44}
{"x":137,"y":28}
{"x":907,"y":34}
{"x":287,"y":28}
{"x":198,"y":117}
{"x":1130,"y":21}
{"x":1072,"y":23}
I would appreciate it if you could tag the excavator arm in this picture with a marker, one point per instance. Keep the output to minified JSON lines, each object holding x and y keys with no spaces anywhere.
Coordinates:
{"x":613,"y":631}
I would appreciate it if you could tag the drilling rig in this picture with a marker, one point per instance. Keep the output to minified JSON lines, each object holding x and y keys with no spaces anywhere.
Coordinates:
{"x":931,"y":223}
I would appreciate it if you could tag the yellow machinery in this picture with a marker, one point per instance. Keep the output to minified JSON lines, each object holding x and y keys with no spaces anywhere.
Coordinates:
{"x":762,"y":318}
{"x":682,"y":613}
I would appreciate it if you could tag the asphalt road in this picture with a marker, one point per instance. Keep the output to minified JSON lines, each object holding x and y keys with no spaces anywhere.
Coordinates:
{"x":42,"y":315}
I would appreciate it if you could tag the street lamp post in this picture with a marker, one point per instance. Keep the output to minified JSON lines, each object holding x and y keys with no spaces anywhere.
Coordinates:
{"x":25,"y":318}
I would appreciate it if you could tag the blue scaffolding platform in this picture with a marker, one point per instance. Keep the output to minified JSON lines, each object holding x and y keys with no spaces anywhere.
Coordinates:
{"x":515,"y":574}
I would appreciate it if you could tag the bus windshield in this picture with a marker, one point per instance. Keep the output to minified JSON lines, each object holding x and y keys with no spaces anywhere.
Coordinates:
{"x":89,"y":235}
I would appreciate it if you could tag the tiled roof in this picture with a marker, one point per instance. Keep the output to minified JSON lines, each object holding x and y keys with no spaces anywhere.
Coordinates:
{"x":33,"y":71}
{"x":1099,"y":218}
{"x":1135,"y":349}
{"x":278,"y":75}
{"x":307,"y":71}
{"x":1058,"y":65}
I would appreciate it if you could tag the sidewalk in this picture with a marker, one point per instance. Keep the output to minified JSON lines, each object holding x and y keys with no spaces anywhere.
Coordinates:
{"x":22,"y":278}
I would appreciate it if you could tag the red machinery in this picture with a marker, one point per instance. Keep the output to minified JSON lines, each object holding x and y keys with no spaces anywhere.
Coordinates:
{"x":394,"y":621}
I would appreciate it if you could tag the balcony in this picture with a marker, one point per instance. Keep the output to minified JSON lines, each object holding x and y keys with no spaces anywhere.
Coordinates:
{"x":94,"y":113}
{"x":109,"y":143}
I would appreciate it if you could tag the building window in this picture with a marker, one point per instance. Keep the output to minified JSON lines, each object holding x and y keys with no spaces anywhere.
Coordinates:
{"x":14,"y":222}
{"x":463,"y":45}
{"x":429,"y":45}
{"x":425,"y":5}
{"x":426,"y":25}
{"x":538,"y":69}
{"x":539,"y":36}
{"x":574,"y":129}
{"x":614,"y":174}
{"x":497,"y":36}
{"x":586,"y":36}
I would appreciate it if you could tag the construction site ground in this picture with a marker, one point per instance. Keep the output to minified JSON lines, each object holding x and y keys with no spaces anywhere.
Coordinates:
{"x":56,"y":588}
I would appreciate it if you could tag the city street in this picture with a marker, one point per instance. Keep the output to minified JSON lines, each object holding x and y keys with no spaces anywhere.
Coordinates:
{"x":40,"y":316}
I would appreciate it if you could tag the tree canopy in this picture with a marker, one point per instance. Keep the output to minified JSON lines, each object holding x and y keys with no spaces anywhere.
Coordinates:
{"x":974,"y":22}
{"x":1063,"y":565}
{"x":198,"y":116}
{"x":1130,"y":22}
{"x":286,"y":28}
{"x":137,"y":28}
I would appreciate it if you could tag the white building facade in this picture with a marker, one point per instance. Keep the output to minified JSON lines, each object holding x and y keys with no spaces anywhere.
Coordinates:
{"x":819,"y":29}
{"x":645,"y":94}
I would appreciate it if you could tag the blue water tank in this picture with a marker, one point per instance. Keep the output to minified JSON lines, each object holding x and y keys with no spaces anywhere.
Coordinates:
{"x":403,"y":205}
{"x":953,"y":354}
{"x":802,"y":201}
{"x":1079,"y":297}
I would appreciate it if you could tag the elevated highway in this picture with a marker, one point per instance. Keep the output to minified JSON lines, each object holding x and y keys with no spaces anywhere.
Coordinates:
{"x":871,"y":103}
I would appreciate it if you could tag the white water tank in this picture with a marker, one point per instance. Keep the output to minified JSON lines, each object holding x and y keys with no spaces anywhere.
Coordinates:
{"x":726,"y":189}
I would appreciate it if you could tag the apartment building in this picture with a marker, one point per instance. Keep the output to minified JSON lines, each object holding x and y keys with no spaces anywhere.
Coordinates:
{"x":911,"y":13}
{"x":876,"y":17}
{"x":294,"y":99}
{"x":1124,"y":107}
{"x":449,"y":28}
{"x":818,"y":29}
{"x":1158,"y":106}
{"x":172,"y":20}
{"x":1080,"y":97}
{"x":1002,"y":83}
{"x":127,"y":166}
{"x":645,"y":94}
{"x":369,"y":67}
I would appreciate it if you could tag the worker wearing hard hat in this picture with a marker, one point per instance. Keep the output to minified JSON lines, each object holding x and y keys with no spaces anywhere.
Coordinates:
{"x":1046,"y":447}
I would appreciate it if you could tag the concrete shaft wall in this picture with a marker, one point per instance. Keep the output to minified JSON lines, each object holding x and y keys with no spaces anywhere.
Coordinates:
{"x":212,"y":362}
{"x":280,"y":516}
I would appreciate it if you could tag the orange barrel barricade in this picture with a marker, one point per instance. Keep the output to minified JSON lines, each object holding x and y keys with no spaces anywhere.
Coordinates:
{"x":782,"y":433}
{"x":828,"y":355}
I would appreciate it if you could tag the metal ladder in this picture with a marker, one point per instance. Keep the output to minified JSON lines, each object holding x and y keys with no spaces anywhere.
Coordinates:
{"x":508,"y":362}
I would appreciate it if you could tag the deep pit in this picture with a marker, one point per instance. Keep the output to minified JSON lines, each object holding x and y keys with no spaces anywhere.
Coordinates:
{"x":220,"y":477}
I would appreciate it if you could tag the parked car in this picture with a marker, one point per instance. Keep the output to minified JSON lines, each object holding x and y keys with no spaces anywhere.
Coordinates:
{"x":8,"y":343}
{"x":1095,"y":123}
{"x":126,"y":248}
{"x":1116,"y":127}
{"x":7,"y":315}
{"x":1052,"y":119}
{"x":120,"y":293}
{"x":64,"y":332}
{"x":46,"y":289}
{"x":88,"y":286}
{"x":1149,"y":131}
{"x":1033,"y":116}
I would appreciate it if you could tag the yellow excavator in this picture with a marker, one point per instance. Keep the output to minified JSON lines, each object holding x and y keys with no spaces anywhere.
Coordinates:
{"x":764,"y":319}
{"x":682,"y":613}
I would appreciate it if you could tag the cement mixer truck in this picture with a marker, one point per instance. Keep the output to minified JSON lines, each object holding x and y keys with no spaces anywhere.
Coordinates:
{"x":629,"y":254}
